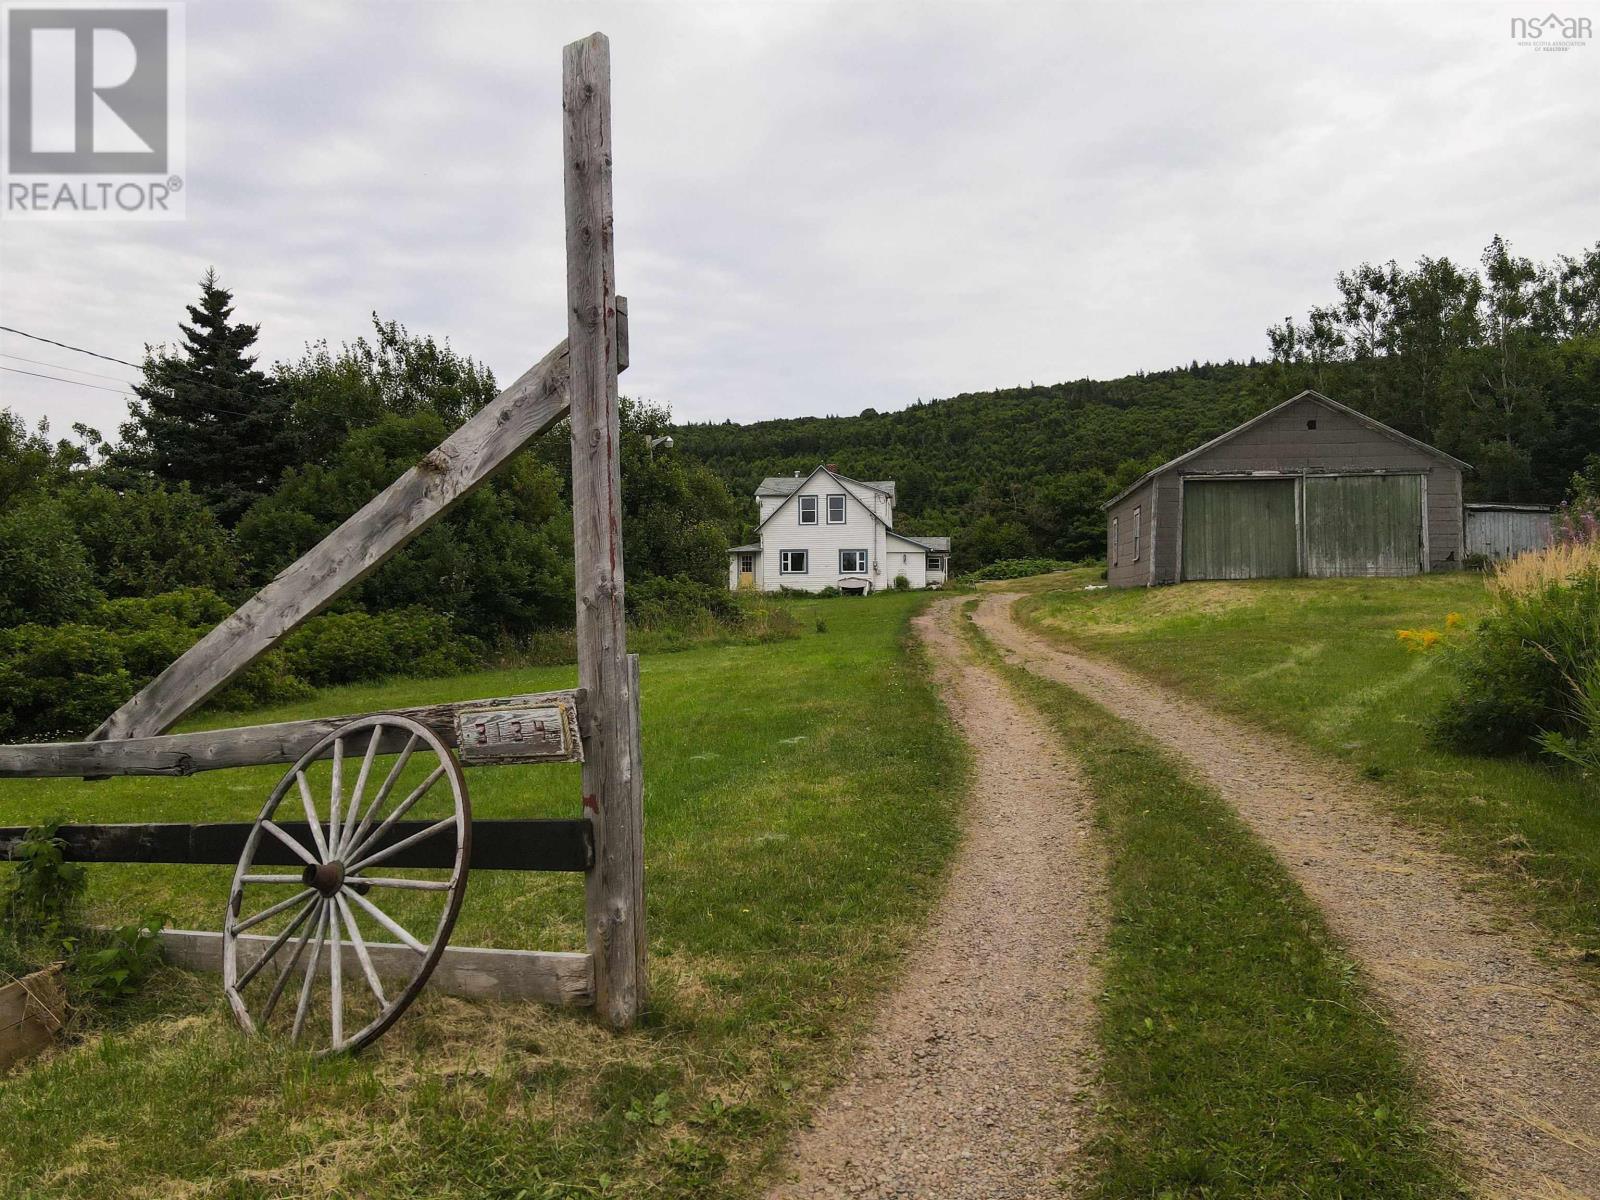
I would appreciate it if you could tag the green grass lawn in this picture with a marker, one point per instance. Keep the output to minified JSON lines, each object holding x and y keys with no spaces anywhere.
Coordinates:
{"x":1240,"y":1054}
{"x":801,"y":801}
{"x":1319,"y":659}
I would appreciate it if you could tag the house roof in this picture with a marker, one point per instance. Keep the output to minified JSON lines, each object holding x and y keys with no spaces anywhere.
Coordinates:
{"x":788,"y":485}
{"x":1308,"y":394}
{"x":926,"y":543}
{"x":939,"y":544}
{"x":756,"y":549}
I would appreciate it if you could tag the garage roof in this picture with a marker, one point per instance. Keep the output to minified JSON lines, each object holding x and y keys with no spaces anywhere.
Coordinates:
{"x":1308,"y":394}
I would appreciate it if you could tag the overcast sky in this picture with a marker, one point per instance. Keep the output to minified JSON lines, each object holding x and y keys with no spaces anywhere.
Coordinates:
{"x":822,"y":206}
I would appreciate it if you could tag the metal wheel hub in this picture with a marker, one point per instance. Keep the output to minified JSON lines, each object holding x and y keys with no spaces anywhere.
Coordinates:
{"x":327,"y":878}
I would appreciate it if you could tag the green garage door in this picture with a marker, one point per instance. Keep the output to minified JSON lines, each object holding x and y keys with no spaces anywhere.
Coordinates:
{"x":1363,"y":525}
{"x":1239,"y":529}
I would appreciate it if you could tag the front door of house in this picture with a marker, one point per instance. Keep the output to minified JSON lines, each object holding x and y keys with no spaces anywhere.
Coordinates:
{"x":747,"y":570}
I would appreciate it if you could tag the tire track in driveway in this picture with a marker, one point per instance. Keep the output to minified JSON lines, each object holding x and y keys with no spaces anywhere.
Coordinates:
{"x":1508,"y":1045}
{"x":972,"y":1083}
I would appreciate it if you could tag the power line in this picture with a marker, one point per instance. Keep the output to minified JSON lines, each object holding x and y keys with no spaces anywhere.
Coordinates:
{"x":232,"y":412}
{"x":65,"y":346}
{"x":63,"y":379}
{"x":39,"y":362}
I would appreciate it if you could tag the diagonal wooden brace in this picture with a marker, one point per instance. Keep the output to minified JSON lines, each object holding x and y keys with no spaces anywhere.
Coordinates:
{"x":485,"y":441}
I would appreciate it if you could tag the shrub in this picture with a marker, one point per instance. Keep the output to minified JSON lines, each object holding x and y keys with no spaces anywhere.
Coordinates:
{"x":110,"y":964}
{"x":666,"y":601}
{"x":45,"y":572}
{"x":42,"y":898}
{"x":902,"y":584}
{"x":147,"y":539}
{"x":42,"y":905}
{"x":351,"y":646}
{"x":1529,"y":677}
{"x":1017,"y":568}
{"x":61,"y":681}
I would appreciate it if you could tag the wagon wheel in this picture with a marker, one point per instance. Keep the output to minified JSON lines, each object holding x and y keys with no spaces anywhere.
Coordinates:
{"x":281,"y":915}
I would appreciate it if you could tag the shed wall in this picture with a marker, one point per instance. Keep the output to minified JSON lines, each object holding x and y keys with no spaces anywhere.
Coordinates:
{"x":1122,"y":568}
{"x":1502,"y":533}
{"x":1282,"y":443}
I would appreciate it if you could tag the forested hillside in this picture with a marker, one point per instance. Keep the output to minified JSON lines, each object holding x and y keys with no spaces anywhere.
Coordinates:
{"x":1499,"y":365}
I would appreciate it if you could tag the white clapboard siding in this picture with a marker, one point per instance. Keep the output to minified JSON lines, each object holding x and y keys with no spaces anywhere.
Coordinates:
{"x":905,"y":558}
{"x":821,"y":541}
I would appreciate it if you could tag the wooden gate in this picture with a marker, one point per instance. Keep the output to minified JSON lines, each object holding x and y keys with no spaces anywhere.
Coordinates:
{"x":1239,"y":529}
{"x":596,"y":724}
{"x":1363,"y":525}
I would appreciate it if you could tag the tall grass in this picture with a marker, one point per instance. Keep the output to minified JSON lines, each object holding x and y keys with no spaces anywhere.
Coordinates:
{"x":1555,"y":566}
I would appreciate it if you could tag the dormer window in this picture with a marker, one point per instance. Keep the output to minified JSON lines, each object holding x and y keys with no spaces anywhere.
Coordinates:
{"x":808,"y":510}
{"x":835,"y":510}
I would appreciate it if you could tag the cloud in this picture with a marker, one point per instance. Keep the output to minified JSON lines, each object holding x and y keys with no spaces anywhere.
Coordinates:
{"x":824,"y":206}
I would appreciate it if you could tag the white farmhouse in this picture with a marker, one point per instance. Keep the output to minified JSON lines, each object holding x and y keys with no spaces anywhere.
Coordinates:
{"x":825,"y":530}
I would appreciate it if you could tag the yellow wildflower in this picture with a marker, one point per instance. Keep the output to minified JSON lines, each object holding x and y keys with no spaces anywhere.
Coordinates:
{"x":1418,"y":639}
{"x":1451,"y":620}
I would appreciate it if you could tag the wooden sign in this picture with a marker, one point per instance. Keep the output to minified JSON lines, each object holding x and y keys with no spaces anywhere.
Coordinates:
{"x":502,"y":731}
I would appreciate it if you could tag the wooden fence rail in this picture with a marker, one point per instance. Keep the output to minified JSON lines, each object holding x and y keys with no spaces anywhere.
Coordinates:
{"x":554,"y":725}
{"x":520,"y":845}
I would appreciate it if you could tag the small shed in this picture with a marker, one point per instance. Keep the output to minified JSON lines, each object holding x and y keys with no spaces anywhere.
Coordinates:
{"x":1310,"y":487}
{"x":1497,"y":531}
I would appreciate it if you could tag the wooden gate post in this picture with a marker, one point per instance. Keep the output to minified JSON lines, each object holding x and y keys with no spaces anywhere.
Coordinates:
{"x":613,"y":784}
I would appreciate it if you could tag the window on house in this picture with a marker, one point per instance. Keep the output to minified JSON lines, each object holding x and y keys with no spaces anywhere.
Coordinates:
{"x":852,"y":562}
{"x":1137,"y":513}
{"x":808,"y":510}
{"x":747,"y":563}
{"x":835,"y":510}
{"x":792,"y":562}
{"x":935,"y":562}
{"x":1116,"y":538}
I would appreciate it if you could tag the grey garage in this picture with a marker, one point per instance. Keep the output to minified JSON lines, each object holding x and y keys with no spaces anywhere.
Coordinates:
{"x":1310,"y":487}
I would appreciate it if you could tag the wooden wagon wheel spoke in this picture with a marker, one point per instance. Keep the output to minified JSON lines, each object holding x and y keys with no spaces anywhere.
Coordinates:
{"x":288,"y":967}
{"x":304,"y":1006}
{"x":277,"y":943}
{"x":267,"y":913}
{"x":349,"y":831}
{"x":276,"y":831}
{"x":382,"y":795}
{"x":389,"y":852}
{"x":401,"y":809}
{"x":416,"y":885}
{"x":335,"y":801}
{"x":388,"y":922}
{"x":311,"y":814}
{"x":336,"y":976}
{"x":361,"y":785}
{"x":360,"y":944}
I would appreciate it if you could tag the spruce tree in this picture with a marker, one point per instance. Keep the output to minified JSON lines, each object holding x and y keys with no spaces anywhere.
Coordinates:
{"x":206,"y":416}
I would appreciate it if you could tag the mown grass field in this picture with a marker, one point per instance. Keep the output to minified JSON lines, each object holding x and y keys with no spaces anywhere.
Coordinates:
{"x":1240,"y":1054}
{"x":801,"y":801}
{"x":1320,"y":660}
